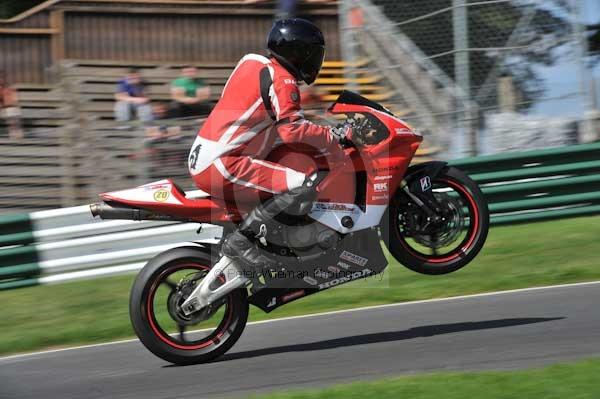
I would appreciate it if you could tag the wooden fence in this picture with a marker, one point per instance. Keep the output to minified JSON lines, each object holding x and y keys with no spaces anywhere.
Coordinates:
{"x":154,"y":30}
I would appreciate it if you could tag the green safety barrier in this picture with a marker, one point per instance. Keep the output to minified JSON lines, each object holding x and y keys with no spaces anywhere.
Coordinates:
{"x":19,"y":271}
{"x":545,"y":215}
{"x":575,"y":168}
{"x":515,"y":160}
{"x":18,"y":254}
{"x":16,"y":230}
{"x":21,"y":283}
{"x":531,"y":186}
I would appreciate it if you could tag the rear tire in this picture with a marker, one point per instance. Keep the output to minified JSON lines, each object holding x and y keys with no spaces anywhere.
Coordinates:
{"x":397,"y":240}
{"x":143,"y":310}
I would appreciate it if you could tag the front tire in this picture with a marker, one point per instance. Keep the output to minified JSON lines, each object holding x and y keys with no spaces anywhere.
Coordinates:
{"x":419,"y":250}
{"x":169,"y":334}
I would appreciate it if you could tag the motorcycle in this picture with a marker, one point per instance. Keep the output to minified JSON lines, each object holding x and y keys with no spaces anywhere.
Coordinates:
{"x":432,"y":218}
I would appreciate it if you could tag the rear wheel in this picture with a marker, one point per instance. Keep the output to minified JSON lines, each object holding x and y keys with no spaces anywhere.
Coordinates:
{"x":158,"y":291}
{"x":443,"y":242}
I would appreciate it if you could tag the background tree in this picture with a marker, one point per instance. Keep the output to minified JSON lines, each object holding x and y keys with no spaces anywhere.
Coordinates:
{"x":594,"y":41}
{"x":490,"y":26}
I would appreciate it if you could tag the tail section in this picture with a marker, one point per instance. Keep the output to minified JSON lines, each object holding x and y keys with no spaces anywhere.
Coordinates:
{"x":163,"y":200}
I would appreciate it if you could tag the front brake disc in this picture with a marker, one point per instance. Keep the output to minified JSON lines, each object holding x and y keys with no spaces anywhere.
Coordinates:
{"x":445,"y":232}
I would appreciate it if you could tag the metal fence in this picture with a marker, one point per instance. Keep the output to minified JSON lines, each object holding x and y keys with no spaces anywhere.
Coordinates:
{"x":525,"y":58}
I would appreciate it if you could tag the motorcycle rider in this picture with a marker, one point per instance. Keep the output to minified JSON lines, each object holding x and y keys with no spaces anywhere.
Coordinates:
{"x":260,"y":105}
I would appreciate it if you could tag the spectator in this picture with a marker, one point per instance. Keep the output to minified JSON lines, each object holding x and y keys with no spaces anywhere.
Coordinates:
{"x":190,"y":94}
{"x":131,"y":99}
{"x":9,"y":109}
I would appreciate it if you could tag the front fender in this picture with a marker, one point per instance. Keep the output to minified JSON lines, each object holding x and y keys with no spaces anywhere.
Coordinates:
{"x":416,"y":175}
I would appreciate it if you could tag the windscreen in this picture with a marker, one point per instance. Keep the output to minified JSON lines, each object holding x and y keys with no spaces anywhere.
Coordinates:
{"x":350,"y":97}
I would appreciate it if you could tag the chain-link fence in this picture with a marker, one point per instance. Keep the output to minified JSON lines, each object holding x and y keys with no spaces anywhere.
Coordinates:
{"x":507,"y":64}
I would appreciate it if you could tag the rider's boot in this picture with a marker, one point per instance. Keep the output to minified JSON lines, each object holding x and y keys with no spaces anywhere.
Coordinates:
{"x":242,"y":244}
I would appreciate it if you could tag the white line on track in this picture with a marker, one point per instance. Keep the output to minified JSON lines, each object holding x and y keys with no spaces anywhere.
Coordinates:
{"x":453,"y":298}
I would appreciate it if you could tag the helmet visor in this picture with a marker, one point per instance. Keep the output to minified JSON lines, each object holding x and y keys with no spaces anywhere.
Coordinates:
{"x":312,"y":64}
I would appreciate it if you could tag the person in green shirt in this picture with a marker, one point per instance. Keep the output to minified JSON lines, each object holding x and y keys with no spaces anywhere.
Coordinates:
{"x":190,"y":95}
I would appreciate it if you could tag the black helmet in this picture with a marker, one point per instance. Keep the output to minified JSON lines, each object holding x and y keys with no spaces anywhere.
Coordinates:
{"x":299,"y":46}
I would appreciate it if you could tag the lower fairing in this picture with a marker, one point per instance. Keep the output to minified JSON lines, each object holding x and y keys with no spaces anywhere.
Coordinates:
{"x":358,"y":255}
{"x":347,"y":218}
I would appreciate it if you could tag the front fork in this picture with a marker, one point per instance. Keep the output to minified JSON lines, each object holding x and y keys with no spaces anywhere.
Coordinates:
{"x":224,"y":277}
{"x":430,"y":207}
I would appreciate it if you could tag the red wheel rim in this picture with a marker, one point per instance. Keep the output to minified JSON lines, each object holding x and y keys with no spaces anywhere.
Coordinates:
{"x":471,"y":236}
{"x":212,"y":339}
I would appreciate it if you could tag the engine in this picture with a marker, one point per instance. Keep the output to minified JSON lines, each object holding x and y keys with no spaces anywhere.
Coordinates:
{"x":303,"y":238}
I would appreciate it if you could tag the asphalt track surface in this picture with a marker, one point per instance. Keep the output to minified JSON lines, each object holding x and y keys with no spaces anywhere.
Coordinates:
{"x":500,"y":331}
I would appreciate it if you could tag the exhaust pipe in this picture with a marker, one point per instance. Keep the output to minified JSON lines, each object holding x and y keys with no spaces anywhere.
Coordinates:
{"x":105,"y":211}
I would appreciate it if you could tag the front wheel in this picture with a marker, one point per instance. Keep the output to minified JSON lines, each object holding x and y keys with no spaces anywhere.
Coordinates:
{"x":158,"y":291}
{"x":443,"y":242}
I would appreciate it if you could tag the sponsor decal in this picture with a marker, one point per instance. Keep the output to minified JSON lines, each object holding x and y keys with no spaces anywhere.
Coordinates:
{"x":289,"y":81}
{"x":403,"y":130}
{"x":161,"y":195}
{"x":344,"y":265}
{"x":353,"y":258}
{"x":380,"y":197}
{"x":345,"y":279}
{"x":295,"y":97}
{"x":380,"y":187}
{"x":333,"y":207}
{"x":293,"y":295}
{"x":322,"y":274}
{"x":272,"y":302}
{"x":153,"y":187}
{"x":425,"y":183}
{"x":385,"y":170}
{"x":310,"y":280}
{"x":334,"y":269}
{"x":386,"y":177}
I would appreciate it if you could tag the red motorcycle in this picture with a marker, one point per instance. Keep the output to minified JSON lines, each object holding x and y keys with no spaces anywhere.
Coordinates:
{"x":432,"y":217}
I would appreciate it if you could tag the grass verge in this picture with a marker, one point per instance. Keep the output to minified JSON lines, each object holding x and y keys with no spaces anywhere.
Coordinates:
{"x":569,"y":380}
{"x":522,"y":256}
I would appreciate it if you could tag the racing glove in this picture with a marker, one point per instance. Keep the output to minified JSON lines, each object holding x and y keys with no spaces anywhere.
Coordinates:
{"x":340,"y":132}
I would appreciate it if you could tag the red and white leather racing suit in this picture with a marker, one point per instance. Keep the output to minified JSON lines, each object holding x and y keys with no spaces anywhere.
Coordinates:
{"x":227,"y":159}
